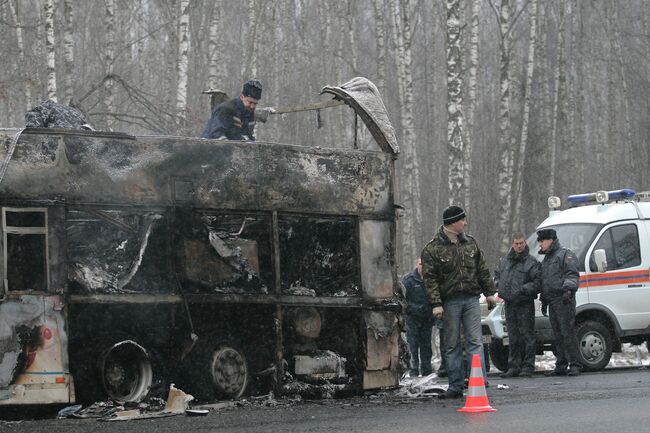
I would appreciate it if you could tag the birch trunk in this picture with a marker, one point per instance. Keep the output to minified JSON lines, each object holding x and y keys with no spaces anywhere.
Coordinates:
{"x":20,"y":44}
{"x":523,"y":139}
{"x":471,"y":97}
{"x":50,"y":47}
{"x":381,"y":45}
{"x":215,"y":69}
{"x":455,"y":118}
{"x":252,"y":40}
{"x":109,"y":53}
{"x":505,"y":174}
{"x":411,"y":187}
{"x":182,"y":63}
{"x":68,"y":49}
{"x":557,"y":101}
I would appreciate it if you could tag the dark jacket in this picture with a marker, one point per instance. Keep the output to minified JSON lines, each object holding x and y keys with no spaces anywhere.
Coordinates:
{"x":449,"y":268}
{"x":518,"y":276}
{"x":559,"y":272}
{"x":222,"y":122}
{"x":417,"y":304}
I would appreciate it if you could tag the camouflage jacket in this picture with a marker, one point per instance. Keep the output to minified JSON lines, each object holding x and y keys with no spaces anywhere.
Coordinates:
{"x":449,"y":268}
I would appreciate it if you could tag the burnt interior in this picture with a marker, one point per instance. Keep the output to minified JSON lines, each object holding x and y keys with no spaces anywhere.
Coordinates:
{"x":339,"y":333}
{"x":224,"y":252}
{"x":26,"y":251}
{"x":319,"y":254}
{"x":117,"y":250}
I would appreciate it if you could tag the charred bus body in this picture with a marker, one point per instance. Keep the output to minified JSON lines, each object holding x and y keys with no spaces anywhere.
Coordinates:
{"x":128,"y":262}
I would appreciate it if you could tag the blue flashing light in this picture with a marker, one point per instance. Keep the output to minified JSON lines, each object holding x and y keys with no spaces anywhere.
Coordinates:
{"x":619,"y":194}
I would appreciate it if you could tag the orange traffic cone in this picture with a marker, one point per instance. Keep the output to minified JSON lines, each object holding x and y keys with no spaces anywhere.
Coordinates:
{"x":477,"y":400}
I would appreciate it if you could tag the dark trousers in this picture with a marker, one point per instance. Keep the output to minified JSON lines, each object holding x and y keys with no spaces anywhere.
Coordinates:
{"x":418,"y":336}
{"x":520,"y":317}
{"x":563,"y":322}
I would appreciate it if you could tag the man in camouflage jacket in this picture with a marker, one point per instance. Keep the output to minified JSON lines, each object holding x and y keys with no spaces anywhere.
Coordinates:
{"x":455,"y":274}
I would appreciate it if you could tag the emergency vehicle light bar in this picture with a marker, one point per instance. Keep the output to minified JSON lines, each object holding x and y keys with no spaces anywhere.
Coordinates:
{"x":601,"y":196}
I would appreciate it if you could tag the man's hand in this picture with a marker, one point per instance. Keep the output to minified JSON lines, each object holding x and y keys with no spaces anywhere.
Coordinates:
{"x":566,"y":297}
{"x":544,"y":309}
{"x":262,"y":113}
{"x":438,"y":312}
{"x":491,"y":302}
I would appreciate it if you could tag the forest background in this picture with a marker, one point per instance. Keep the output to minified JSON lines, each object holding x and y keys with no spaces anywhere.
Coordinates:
{"x":497,"y":104}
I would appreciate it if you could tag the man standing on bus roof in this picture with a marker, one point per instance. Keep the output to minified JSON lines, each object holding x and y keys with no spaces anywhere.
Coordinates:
{"x":455,"y":274}
{"x":517,"y":278}
{"x":560,"y":281}
{"x":234,"y":119}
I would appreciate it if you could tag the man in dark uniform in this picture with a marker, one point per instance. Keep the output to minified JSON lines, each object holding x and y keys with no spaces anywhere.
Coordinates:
{"x":419,"y":323}
{"x":518,"y":277}
{"x":560,"y":280}
{"x":234,"y":119}
{"x":455,"y":274}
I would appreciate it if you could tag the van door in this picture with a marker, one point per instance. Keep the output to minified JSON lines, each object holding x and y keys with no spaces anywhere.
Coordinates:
{"x":624,"y":288}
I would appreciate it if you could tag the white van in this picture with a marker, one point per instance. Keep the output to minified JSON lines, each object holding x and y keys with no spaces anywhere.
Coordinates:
{"x":609,"y":231}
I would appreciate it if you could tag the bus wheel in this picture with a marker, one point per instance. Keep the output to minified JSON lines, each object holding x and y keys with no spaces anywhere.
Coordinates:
{"x":126,"y":371}
{"x":219,"y":370}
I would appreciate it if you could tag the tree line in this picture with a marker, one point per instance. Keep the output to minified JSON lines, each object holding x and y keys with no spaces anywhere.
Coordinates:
{"x":497,"y":104}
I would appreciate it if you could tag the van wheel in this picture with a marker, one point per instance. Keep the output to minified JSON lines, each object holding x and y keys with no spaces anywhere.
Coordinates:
{"x":499,"y":354}
{"x":595,"y":343}
{"x":218,"y":370}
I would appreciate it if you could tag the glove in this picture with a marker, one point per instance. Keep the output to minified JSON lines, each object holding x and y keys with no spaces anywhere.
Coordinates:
{"x":544,"y":309}
{"x":262,"y":114}
{"x":437,"y":312}
{"x":566,"y":297}
{"x":491,"y":302}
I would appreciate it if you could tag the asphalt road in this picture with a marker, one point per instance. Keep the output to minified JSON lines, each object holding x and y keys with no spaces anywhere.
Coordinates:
{"x":617,"y":400}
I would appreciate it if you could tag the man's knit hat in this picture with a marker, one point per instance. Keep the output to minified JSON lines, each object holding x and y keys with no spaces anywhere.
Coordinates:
{"x":452,"y":214}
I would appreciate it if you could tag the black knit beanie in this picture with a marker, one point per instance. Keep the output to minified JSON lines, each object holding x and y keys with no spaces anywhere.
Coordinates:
{"x":452,"y":214}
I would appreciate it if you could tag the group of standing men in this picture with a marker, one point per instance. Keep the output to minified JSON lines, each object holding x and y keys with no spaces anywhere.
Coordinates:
{"x":452,"y":274}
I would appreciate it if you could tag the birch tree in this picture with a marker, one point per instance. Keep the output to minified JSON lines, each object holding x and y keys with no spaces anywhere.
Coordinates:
{"x":411,"y":187}
{"x":182,"y":62}
{"x":68,"y":49}
{"x":50,"y":47}
{"x":471,"y":96}
{"x":454,"y":104}
{"x":215,"y":69}
{"x":109,"y":58}
{"x":251,"y":70}
{"x":380,"y":29}
{"x":523,"y":138}
{"x":557,"y":100}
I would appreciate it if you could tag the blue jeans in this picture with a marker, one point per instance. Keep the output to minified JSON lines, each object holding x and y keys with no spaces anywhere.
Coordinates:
{"x":465,"y":310}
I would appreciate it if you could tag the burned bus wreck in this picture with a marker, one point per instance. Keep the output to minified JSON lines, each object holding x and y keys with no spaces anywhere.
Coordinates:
{"x":225,"y":267}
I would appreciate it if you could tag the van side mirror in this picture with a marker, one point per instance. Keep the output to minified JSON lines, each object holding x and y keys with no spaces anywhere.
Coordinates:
{"x":601,"y":260}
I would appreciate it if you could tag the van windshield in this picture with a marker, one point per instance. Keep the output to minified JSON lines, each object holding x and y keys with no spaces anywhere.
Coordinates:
{"x":576,"y":237}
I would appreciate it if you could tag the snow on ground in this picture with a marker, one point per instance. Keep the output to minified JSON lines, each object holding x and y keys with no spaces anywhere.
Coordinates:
{"x":414,"y":387}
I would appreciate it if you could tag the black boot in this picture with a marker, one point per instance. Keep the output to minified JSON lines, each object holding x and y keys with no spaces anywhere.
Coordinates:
{"x":510,"y":373}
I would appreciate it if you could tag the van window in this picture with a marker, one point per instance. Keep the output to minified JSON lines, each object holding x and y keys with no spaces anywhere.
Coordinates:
{"x":25,"y":248}
{"x":576,"y":237}
{"x":621,"y":245}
